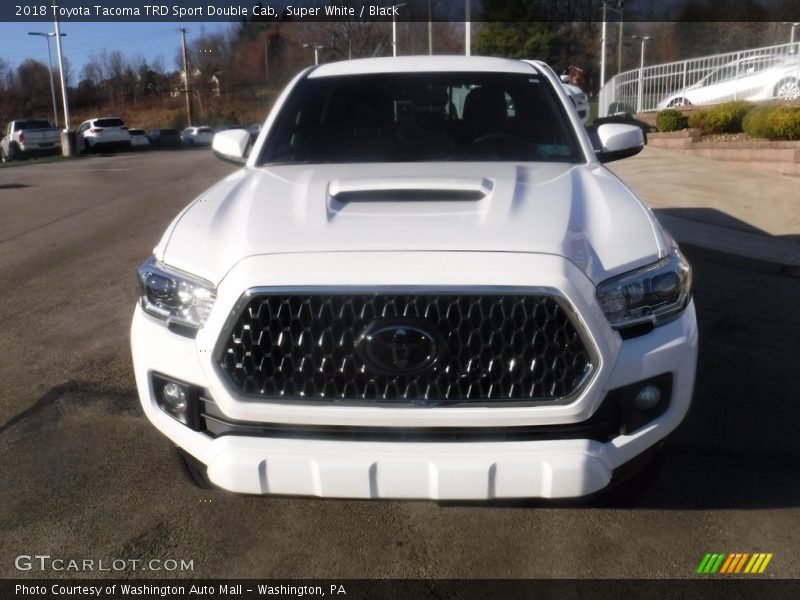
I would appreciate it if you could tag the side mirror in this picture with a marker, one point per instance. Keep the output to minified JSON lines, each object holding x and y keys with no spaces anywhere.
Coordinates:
{"x":618,"y":140}
{"x":232,"y":145}
{"x":564,"y":78}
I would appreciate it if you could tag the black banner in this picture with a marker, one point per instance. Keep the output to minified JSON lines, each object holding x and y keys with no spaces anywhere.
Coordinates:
{"x":388,"y":10}
{"x":397,"y":589}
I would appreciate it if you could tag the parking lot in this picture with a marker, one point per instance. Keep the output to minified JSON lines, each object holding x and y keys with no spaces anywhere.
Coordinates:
{"x":84,"y":475}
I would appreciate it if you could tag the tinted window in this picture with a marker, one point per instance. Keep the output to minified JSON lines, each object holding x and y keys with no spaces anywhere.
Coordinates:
{"x":136,"y":131}
{"x":205,"y":130}
{"x":422,"y":117}
{"x":109,"y":123}
{"x":33,"y":124}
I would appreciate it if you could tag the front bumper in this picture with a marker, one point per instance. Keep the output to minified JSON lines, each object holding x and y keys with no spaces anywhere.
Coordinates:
{"x":410,"y":469}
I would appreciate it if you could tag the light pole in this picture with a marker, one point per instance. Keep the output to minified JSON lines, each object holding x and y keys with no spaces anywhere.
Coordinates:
{"x":794,"y":26}
{"x":47,"y":37}
{"x":69,"y":141}
{"x":187,"y":88}
{"x":620,"y":39}
{"x":617,"y":9}
{"x":316,"y":48}
{"x":640,"y":95}
{"x":430,"y":27}
{"x":603,"y":48}
{"x":395,"y":7}
{"x":467,"y":28}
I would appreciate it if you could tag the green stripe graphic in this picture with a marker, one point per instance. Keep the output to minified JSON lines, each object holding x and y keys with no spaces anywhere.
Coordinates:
{"x":718,"y":564}
{"x":702,"y":567}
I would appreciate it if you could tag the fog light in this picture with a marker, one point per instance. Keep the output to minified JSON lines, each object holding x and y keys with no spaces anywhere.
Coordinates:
{"x":175,"y":397}
{"x":647,"y":398}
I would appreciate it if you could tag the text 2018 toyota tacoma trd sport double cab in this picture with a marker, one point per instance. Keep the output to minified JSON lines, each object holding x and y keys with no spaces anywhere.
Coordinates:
{"x":422,"y":283}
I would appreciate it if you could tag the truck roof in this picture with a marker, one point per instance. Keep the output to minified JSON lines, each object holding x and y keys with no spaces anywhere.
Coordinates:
{"x":415,"y":64}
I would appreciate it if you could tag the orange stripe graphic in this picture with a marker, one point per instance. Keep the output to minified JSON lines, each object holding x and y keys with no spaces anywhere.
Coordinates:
{"x":741,"y":563}
{"x":728,"y":561}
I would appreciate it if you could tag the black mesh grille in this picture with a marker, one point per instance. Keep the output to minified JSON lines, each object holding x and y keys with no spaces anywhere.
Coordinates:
{"x":491,"y":348}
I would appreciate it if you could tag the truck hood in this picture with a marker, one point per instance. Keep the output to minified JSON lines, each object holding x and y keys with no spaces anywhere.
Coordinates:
{"x":581,"y":212}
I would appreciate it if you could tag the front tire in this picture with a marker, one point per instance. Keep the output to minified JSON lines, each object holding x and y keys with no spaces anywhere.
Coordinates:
{"x":633,"y":478}
{"x":195,"y":471}
{"x":12,"y":154}
{"x":787,"y":89}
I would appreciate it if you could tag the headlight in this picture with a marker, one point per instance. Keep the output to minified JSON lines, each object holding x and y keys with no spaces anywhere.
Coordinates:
{"x":174,"y":296}
{"x":653,"y":294}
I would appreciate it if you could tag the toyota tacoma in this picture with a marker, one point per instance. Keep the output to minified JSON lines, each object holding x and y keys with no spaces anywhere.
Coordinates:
{"x":421,"y":283}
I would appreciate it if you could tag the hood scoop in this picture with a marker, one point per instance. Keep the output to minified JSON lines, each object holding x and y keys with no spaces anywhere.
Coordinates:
{"x":465,"y":198}
{"x":407,"y":189}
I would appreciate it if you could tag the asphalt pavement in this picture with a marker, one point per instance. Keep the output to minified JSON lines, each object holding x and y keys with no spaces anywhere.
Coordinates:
{"x":84,"y":475}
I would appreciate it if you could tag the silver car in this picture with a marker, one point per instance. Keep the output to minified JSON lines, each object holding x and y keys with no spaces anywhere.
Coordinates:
{"x":752,"y":78}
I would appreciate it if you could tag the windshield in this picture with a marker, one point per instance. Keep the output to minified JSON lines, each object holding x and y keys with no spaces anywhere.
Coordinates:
{"x":422,"y":117}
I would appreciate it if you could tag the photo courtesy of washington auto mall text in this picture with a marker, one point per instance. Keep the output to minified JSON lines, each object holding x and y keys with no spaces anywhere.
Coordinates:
{"x":399,"y":299}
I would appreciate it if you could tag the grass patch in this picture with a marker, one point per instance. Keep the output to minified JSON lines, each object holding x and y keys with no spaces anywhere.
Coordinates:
{"x":37,"y":160}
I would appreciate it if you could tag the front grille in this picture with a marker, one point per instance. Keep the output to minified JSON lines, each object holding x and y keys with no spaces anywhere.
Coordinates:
{"x":491,"y":348}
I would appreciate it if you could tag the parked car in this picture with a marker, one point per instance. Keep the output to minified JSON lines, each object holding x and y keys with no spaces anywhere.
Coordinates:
{"x":197,"y":136}
{"x":139,"y":139}
{"x":752,"y":78}
{"x":399,"y":298}
{"x":579,"y":99}
{"x":103,"y":133}
{"x":26,"y":137}
{"x":164,"y":138}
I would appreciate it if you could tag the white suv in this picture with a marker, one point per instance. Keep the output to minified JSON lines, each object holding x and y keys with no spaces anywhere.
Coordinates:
{"x":410,"y":291}
{"x":103,"y":133}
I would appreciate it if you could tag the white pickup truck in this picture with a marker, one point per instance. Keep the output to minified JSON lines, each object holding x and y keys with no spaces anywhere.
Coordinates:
{"x":25,"y":137}
{"x":422,"y":283}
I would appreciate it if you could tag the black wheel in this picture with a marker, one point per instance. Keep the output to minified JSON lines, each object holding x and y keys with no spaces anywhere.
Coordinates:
{"x":633,"y":478}
{"x":195,"y":470}
{"x":12,"y":154}
{"x":679,"y":102}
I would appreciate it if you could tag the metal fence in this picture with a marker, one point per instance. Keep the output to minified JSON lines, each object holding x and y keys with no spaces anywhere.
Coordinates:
{"x":757,"y":74}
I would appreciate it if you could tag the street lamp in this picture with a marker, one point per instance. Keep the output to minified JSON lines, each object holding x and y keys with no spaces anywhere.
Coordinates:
{"x":394,"y":27}
{"x":639,"y":96}
{"x":794,"y":26}
{"x":47,"y":37}
{"x":316,"y":48}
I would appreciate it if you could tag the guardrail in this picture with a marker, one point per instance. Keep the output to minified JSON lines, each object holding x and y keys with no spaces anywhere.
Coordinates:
{"x":756,"y":74}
